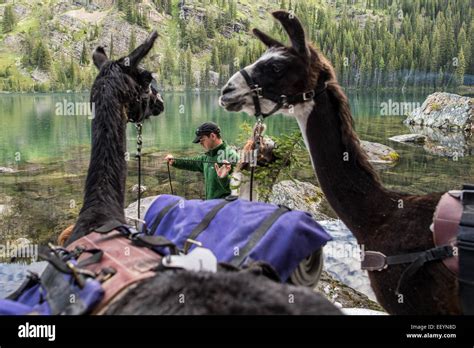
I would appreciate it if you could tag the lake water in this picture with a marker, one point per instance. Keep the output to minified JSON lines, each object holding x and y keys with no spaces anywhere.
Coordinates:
{"x":50,"y":153}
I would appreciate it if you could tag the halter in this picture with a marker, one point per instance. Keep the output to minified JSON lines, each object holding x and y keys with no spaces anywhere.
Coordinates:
{"x":280,"y":100}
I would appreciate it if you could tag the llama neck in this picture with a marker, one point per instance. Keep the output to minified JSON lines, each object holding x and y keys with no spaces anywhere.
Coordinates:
{"x":105,"y":184}
{"x":353,"y":192}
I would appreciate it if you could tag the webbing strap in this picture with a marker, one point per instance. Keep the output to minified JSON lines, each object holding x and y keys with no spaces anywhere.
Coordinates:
{"x":154,"y":242}
{"x":31,"y":280}
{"x":258,"y":234}
{"x":160,"y":217}
{"x":418,"y":260}
{"x":207,"y":219}
{"x":437,"y":253}
{"x":109,"y":226}
{"x":466,"y":251}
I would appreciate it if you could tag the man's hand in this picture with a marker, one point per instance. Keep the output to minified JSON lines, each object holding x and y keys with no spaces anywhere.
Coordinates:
{"x":170,"y":159}
{"x":224,"y":170}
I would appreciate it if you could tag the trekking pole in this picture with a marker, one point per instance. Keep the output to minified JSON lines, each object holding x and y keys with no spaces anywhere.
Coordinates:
{"x":169,"y":177}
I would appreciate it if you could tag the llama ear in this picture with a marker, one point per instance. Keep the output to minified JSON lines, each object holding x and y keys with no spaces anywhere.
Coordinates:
{"x":266,"y":39}
{"x":99,"y":57}
{"x":295,"y":31}
{"x":141,"y":51}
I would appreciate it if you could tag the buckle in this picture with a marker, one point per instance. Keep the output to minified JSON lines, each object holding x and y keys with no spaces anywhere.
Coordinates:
{"x":373,"y":261}
{"x":76,"y":275}
{"x":467,"y":193}
{"x":258,"y":91}
{"x":455,"y":194}
{"x":308,"y":95}
{"x":188,"y":243}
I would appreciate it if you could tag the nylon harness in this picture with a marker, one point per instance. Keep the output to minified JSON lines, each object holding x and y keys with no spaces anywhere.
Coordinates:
{"x":280,"y":101}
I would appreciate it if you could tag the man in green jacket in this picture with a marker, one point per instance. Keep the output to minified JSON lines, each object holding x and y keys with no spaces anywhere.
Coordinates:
{"x":216,"y":177}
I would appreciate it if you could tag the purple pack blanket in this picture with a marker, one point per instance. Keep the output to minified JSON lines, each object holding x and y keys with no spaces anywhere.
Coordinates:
{"x":238,"y":231}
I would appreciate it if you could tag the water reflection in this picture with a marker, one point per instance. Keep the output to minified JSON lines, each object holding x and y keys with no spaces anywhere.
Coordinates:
{"x":443,"y":143}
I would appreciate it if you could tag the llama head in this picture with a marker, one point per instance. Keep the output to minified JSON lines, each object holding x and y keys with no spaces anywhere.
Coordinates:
{"x":266,"y":147}
{"x":283,"y":78}
{"x":123,"y":80}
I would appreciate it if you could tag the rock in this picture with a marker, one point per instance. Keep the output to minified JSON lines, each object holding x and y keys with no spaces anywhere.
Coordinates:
{"x":96,"y":4}
{"x":344,"y":296}
{"x":40,"y":76}
{"x":444,"y":110}
{"x":134,"y":188}
{"x":380,"y":155}
{"x":121,"y":32}
{"x":131,"y":212}
{"x":361,"y":311}
{"x":7,"y":170}
{"x":213,"y":78}
{"x":409,"y":138}
{"x":14,"y":42}
{"x":20,"y":11}
{"x":299,"y":196}
{"x":342,"y":258}
{"x":5,"y":204}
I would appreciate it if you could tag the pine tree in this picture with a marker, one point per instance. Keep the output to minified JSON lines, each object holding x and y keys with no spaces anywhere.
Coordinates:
{"x":41,"y":57}
{"x":111,"y":49}
{"x":214,"y":59}
{"x":133,"y":41}
{"x":209,"y":25}
{"x":168,"y":64}
{"x":9,"y":20}
{"x":189,"y":69}
{"x":460,"y":69}
{"x":84,"y":55}
{"x":130,"y":13}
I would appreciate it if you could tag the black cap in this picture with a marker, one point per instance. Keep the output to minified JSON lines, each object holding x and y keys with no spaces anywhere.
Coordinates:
{"x":206,"y":129}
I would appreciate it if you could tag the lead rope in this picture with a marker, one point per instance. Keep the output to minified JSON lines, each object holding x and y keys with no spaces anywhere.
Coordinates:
{"x":253,"y":163}
{"x":169,"y":178}
{"x":138,"y":156}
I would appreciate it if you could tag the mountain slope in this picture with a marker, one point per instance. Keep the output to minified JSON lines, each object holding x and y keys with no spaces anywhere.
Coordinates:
{"x":372,"y":43}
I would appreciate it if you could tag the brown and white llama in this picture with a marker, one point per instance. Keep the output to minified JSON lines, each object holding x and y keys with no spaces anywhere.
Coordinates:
{"x":299,"y":81}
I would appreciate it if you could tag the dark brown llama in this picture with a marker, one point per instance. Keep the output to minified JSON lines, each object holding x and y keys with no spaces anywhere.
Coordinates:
{"x":381,"y":220}
{"x":122,"y":92}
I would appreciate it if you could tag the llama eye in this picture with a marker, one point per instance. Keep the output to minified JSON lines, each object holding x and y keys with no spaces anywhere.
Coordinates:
{"x":277,"y":68}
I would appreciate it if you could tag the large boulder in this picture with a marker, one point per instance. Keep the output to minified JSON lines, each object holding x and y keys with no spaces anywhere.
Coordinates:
{"x":413,"y":138}
{"x":380,"y":156}
{"x":444,"y":110}
{"x":342,"y":258}
{"x":131,"y":212}
{"x":298,"y":195}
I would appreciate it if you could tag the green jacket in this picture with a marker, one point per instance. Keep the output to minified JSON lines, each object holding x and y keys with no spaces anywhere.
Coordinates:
{"x":215,"y":187}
